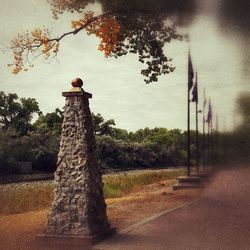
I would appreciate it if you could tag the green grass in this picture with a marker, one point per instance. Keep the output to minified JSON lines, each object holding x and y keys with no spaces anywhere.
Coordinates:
{"x":21,"y":198}
{"x":118,"y":185}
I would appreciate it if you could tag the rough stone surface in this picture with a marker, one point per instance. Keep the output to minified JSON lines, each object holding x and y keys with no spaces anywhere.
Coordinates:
{"x":78,"y":207}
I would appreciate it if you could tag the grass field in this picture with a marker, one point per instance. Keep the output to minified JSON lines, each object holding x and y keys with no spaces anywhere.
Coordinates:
{"x":18,"y":198}
{"x":121,"y":184}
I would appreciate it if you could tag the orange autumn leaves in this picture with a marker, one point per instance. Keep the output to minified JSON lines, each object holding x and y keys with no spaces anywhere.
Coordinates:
{"x":35,"y":43}
{"x":29,"y":45}
{"x":106,"y":28}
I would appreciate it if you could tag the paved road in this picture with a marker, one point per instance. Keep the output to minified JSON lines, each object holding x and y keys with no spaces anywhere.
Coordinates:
{"x":220,"y":220}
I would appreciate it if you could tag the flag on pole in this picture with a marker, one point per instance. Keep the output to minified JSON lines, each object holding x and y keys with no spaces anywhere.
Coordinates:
{"x":195,"y":90}
{"x":209,"y":114}
{"x":190,"y":72}
{"x":204,"y":100}
{"x":217,"y":123}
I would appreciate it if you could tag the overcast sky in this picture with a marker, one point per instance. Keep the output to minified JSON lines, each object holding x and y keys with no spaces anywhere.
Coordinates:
{"x":118,"y":89}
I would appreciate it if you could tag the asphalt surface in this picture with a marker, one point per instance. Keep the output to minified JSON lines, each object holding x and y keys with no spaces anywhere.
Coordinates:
{"x":220,"y":219}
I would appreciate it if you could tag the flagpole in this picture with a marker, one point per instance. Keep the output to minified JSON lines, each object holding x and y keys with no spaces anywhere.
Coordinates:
{"x":197,"y":137}
{"x":188,"y":133}
{"x":195,"y":99}
{"x":208,"y":144}
{"x":211,"y":142}
{"x":209,"y":133}
{"x":204,"y":133}
{"x":190,"y":85}
{"x":203,"y":142}
{"x":217,"y":139}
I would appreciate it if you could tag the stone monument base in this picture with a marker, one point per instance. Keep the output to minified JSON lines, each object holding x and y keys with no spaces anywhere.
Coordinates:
{"x":68,"y":242}
{"x":202,"y":175}
{"x":186,"y":182}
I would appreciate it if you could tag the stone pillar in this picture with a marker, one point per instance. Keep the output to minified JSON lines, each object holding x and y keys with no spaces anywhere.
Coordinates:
{"x":78,"y":208}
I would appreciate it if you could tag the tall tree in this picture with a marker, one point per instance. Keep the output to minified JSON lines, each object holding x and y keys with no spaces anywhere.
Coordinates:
{"x":243,"y":109}
{"x":141,"y":27}
{"x":102,"y":127}
{"x":50,"y":122}
{"x":17,"y":113}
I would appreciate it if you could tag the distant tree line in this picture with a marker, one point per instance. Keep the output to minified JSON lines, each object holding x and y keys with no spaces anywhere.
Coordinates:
{"x":38,"y":142}
{"x":234,"y":146}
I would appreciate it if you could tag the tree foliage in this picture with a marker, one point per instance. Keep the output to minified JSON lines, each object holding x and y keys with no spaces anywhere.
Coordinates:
{"x":50,"y":122}
{"x":17,"y":113}
{"x":233,"y":146}
{"x":243,"y":109}
{"x":116,"y":148}
{"x":102,"y":127}
{"x":141,"y":27}
{"x":235,"y":15}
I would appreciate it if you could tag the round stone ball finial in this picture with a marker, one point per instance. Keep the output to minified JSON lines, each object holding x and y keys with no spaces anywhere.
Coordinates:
{"x":77,"y":82}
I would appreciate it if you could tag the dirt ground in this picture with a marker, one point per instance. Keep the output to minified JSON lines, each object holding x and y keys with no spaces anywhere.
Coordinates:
{"x":18,"y":231}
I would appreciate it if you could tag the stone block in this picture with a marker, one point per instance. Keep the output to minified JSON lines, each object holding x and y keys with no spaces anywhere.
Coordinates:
{"x":70,"y":242}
